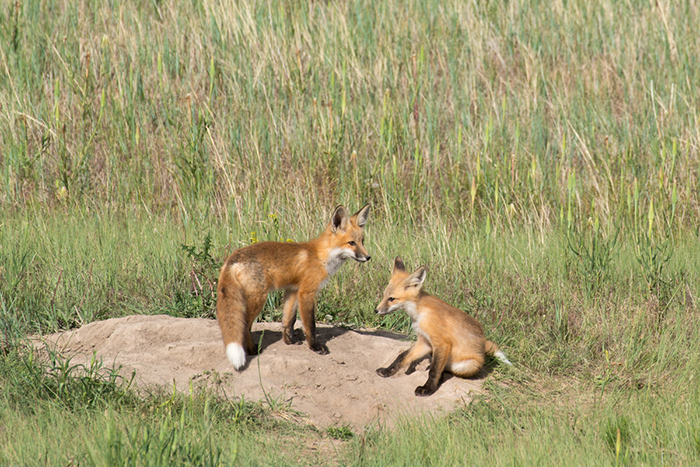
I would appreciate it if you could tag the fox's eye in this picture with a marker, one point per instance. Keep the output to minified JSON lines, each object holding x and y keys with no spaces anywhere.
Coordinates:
{"x":390,"y":299}
{"x":352,"y":243}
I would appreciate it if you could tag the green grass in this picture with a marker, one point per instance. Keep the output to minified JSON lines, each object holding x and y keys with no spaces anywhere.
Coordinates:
{"x":653,"y":430}
{"x":57,"y":412}
{"x":540,"y":157}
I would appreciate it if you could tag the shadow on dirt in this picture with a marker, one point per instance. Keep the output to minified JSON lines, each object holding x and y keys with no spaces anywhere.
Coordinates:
{"x":324,"y":334}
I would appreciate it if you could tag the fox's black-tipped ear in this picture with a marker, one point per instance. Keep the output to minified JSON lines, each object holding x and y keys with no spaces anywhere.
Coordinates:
{"x":362,"y":215}
{"x":398,"y":265}
{"x":417,"y":278}
{"x":339,"y":219}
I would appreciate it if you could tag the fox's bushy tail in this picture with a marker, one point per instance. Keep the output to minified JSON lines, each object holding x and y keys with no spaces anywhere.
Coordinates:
{"x":231,"y":314}
{"x":492,"y":349}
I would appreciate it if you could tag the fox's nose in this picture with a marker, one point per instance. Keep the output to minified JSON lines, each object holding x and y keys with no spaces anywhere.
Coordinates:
{"x":369,"y":258}
{"x":376,"y":310}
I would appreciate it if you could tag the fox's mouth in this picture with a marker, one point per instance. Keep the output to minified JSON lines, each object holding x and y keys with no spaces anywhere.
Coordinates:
{"x":382,"y":312}
{"x":362,"y":259}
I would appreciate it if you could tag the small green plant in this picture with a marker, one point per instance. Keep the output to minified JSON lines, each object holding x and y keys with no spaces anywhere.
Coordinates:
{"x":653,"y":251}
{"x":342,"y":433}
{"x":83,"y":386}
{"x":593,"y":253}
{"x":201,"y":299}
{"x":617,"y":434}
{"x":592,"y":249}
{"x":561,"y":323}
{"x":194,"y":170}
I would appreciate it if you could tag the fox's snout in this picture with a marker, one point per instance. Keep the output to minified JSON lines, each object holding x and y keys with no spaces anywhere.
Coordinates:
{"x":362,"y":258}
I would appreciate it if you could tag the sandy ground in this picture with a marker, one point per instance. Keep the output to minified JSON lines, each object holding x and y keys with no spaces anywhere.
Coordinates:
{"x":340,"y":388}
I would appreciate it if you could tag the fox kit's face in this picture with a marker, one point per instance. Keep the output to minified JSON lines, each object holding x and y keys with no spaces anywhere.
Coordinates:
{"x":348,"y":236}
{"x":403,"y":289}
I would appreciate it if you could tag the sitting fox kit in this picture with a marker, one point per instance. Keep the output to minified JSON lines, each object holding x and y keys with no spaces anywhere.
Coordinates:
{"x":455,"y":339}
{"x":300,"y":269}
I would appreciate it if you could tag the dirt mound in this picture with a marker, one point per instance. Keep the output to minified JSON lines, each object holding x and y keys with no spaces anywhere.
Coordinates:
{"x":340,"y":388}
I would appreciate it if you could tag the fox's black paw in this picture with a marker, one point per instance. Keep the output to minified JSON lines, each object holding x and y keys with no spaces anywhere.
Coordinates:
{"x":319,"y":348}
{"x":291,"y":338}
{"x":288,"y":340}
{"x":424,"y":391}
{"x":384,"y":372}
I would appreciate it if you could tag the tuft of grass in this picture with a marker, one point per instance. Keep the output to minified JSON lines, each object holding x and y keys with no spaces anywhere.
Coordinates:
{"x":61,"y":412}
{"x":31,"y":375}
{"x":342,"y":433}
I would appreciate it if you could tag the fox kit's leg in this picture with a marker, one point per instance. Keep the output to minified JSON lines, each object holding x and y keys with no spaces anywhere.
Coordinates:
{"x":409,"y":357}
{"x":251,"y":347}
{"x":254,"y":306}
{"x":289,"y":316}
{"x":412,"y":367}
{"x":437,"y":366}
{"x":307,"y":310}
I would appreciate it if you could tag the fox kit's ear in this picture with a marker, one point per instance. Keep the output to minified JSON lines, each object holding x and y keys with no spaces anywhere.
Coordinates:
{"x":398,"y":265}
{"x":339,"y":219}
{"x":362,"y":215}
{"x":417,"y":278}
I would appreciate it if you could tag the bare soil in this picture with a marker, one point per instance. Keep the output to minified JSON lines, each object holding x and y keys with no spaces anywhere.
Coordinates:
{"x":341,"y":388}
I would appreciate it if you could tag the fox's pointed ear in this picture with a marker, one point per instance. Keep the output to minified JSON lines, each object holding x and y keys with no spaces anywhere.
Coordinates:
{"x":362,"y":215}
{"x":417,"y":278}
{"x":398,"y":265}
{"x":339,"y":219}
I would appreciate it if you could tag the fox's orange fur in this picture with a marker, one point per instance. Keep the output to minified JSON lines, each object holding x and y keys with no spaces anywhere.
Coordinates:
{"x":455,"y":339}
{"x":300,"y":269}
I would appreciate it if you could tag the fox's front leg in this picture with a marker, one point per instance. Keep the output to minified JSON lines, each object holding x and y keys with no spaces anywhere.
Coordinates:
{"x":437,"y":366}
{"x":409,"y":357}
{"x":307,"y":310}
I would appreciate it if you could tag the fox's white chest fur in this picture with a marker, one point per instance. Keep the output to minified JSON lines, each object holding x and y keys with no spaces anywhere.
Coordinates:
{"x":335,"y":260}
{"x":412,"y":311}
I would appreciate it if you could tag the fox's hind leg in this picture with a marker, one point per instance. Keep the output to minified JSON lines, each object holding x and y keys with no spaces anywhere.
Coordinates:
{"x":307,"y":310}
{"x":254,"y":306}
{"x":289,"y":317}
{"x":437,"y":366}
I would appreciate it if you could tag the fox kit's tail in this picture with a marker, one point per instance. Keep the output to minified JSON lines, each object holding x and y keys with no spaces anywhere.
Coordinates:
{"x":492,"y":349}
{"x":231,"y":314}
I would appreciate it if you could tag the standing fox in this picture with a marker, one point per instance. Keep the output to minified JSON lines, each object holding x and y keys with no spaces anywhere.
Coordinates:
{"x":300,"y":269}
{"x":455,"y":339}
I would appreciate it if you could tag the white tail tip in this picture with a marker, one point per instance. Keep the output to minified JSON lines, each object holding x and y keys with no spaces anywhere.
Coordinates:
{"x":236,"y":355}
{"x":502,"y":357}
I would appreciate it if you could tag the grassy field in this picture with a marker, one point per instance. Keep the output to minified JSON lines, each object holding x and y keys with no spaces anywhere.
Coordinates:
{"x":542,"y":158}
